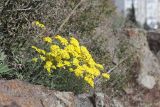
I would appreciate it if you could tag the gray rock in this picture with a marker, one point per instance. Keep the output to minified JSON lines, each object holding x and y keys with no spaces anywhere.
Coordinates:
{"x":158,"y":55}
{"x":128,"y":90}
{"x":15,"y":93}
{"x":117,"y":103}
{"x":83,"y":100}
{"x":148,"y":70}
{"x":146,"y":80}
{"x":101,"y":100}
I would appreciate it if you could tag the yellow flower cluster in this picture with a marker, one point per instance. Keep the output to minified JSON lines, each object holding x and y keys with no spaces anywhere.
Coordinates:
{"x":37,"y":23}
{"x":64,"y":54}
{"x":47,"y":39}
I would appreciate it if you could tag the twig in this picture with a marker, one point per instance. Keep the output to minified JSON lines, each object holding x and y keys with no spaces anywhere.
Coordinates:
{"x":68,"y":17}
{"x":24,"y":9}
{"x":115,"y":67}
{"x":7,"y":2}
{"x":118,"y":64}
{"x":20,"y":10}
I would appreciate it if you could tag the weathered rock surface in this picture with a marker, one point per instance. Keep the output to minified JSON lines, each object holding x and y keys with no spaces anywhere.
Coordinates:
{"x":149,"y":70}
{"x":15,"y":93}
{"x":146,"y":80}
{"x":101,"y":100}
{"x":117,"y":103}
{"x":83,"y":100}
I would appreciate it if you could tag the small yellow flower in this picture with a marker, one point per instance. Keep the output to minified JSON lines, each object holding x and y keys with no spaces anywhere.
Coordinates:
{"x":105,"y":75}
{"x":78,"y":72}
{"x":55,"y":50}
{"x":62,"y":40}
{"x":67,"y":63}
{"x":90,"y":81}
{"x":91,"y":62}
{"x":47,"y":39}
{"x":41,"y":25}
{"x":74,"y":42}
{"x":34,"y":47}
{"x":39,"y":50}
{"x":100,"y":66}
{"x":78,"y":50}
{"x":69,"y":48}
{"x":43,"y":52}
{"x":71,"y":69}
{"x":48,"y":66}
{"x":65,"y":54}
{"x":85,"y":54}
{"x":92,"y":71}
{"x":34,"y":59}
{"x":60,"y":65}
{"x":38,"y":24}
{"x":84,"y":50}
{"x":42,"y":58}
{"x":53,"y":67}
{"x":75,"y":62}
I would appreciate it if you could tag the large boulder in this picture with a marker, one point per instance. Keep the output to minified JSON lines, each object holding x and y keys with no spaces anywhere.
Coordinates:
{"x":15,"y":93}
{"x":146,"y":80}
{"x":149,"y":69}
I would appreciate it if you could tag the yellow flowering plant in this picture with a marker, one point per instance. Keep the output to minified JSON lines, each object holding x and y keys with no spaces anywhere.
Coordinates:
{"x":63,"y":55}
{"x":69,"y":55}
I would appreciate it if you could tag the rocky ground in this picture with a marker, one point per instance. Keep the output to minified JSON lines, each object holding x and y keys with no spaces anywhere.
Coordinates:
{"x":143,"y":88}
{"x":145,"y":91}
{"x":142,"y":91}
{"x":15,"y":93}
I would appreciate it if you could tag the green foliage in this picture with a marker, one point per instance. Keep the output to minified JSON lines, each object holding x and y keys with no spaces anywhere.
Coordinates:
{"x":2,"y":56}
{"x":62,"y":81}
{"x":3,"y":67}
{"x":18,"y":34}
